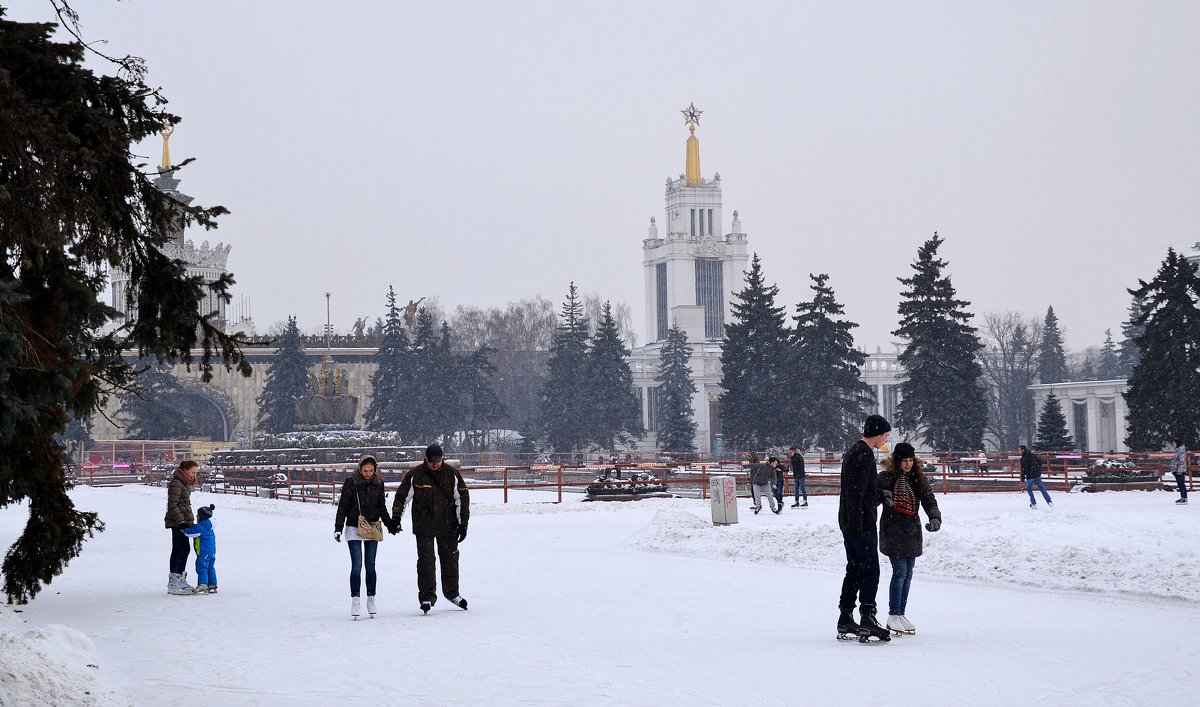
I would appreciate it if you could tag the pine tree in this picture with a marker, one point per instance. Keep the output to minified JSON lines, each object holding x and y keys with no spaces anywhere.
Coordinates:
{"x":428,"y":382}
{"x":482,"y":407}
{"x":828,"y":394}
{"x":1164,"y":389}
{"x":73,"y":203}
{"x":390,"y":409}
{"x":942,"y":397}
{"x":157,"y":409}
{"x":287,"y":379}
{"x":676,"y":421}
{"x":755,"y":358}
{"x":615,"y":411}
{"x":1052,"y":364}
{"x":1130,"y":355}
{"x":1110,"y":363}
{"x":1052,"y":433}
{"x":565,"y":418}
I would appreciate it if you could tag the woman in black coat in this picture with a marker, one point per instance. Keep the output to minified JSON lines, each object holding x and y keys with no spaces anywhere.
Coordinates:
{"x":903,"y":486}
{"x":362,"y":495}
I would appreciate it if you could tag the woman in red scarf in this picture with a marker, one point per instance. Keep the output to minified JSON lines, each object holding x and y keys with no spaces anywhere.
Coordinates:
{"x":178,"y":519}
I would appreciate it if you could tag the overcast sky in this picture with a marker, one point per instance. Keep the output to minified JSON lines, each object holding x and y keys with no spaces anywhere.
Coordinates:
{"x":486,"y":152}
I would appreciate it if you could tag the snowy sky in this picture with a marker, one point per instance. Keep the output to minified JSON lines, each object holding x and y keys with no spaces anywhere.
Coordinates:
{"x":486,"y":152}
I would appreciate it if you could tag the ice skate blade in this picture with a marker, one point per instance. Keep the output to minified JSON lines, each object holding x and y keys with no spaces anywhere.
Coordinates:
{"x":843,"y":636}
{"x":903,"y":633}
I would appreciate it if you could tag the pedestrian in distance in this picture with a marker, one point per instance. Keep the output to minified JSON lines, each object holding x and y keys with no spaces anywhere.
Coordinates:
{"x":798,"y":486}
{"x":779,"y":482}
{"x":1031,"y":475}
{"x":361,"y":516}
{"x":857,"y":519}
{"x":441,"y":507}
{"x":762,"y":482}
{"x":1179,"y":467}
{"x":178,"y":519}
{"x":903,"y":485}
{"x":204,"y":542}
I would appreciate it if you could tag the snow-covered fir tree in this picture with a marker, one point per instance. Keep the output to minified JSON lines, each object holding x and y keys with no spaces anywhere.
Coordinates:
{"x":755,"y":357}
{"x":287,"y":378}
{"x":676,"y":421}
{"x":1052,"y":435}
{"x":565,"y":419}
{"x":1165,"y":386}
{"x":1129,"y":353}
{"x":614,"y":408}
{"x":826,"y":394}
{"x":481,"y":406}
{"x":428,"y":385}
{"x":942,"y":396}
{"x":1109,"y":367}
{"x":390,"y":408}
{"x":1052,"y":362}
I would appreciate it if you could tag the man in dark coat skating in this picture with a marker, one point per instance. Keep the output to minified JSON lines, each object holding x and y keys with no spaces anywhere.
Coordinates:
{"x":857,"y":518}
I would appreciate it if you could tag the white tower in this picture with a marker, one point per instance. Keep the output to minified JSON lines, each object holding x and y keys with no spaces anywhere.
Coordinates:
{"x":692,"y":272}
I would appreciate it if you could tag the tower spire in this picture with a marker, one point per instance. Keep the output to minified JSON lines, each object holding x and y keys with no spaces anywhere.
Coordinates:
{"x":691,"y":172}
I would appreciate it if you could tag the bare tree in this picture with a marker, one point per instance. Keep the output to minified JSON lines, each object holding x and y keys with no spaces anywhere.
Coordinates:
{"x":593,"y":309}
{"x":1010,"y":360}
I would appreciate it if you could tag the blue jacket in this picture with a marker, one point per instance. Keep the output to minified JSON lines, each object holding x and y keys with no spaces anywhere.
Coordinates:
{"x":205,"y":538}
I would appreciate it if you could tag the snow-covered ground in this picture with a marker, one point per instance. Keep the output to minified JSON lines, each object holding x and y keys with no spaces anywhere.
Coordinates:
{"x":1092,"y":602}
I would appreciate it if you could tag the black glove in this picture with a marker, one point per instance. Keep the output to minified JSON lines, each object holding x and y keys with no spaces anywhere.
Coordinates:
{"x":887,"y":498}
{"x":393,"y":529}
{"x":462,"y":532}
{"x":934,"y":525}
{"x":337,"y":535}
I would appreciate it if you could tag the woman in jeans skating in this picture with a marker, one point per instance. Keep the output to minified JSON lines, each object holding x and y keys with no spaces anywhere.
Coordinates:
{"x":903,"y":486}
{"x":362,"y":495}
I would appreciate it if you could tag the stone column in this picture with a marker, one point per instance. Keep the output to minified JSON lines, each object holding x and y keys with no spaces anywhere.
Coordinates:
{"x":1119,"y":415}
{"x":1093,"y":424}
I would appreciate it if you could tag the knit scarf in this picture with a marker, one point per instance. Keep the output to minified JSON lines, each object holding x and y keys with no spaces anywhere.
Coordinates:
{"x":904,"y":501}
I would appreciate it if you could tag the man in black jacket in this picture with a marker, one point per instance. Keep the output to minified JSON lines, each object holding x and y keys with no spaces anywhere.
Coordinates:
{"x":857,"y":517}
{"x":798,"y":485}
{"x":440,"y":511}
{"x":1031,"y":475}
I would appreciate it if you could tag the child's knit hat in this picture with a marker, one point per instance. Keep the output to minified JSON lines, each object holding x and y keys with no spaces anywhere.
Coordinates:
{"x":205,"y":511}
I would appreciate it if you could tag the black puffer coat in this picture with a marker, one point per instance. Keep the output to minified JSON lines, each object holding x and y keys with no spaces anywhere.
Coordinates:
{"x":440,"y":500}
{"x":370,"y":494}
{"x":899,"y":534}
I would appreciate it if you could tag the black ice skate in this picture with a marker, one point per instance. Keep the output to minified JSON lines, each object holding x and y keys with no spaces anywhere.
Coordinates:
{"x":846,"y":626}
{"x":426,"y":606}
{"x":869,"y":628}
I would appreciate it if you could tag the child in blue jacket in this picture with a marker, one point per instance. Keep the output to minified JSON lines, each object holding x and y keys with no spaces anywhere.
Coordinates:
{"x":205,"y":542}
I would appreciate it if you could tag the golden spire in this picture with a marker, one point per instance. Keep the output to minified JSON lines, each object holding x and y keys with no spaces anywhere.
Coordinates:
{"x":167,"y":129}
{"x":691,"y":172}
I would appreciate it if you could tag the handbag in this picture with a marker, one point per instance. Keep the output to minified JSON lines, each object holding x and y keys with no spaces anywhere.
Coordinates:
{"x":366,"y":529}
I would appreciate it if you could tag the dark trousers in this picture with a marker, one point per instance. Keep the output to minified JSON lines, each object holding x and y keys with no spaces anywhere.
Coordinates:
{"x":181,"y":546}
{"x":1181,"y":481}
{"x":447,"y":551}
{"x":356,"y":563}
{"x":862,"y":571}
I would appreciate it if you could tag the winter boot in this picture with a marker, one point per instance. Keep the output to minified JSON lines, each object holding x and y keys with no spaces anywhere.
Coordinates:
{"x":202,"y":589}
{"x":371,"y":605}
{"x":846,"y":626}
{"x":173,"y":582}
{"x":212,"y":589}
{"x":459,"y":602}
{"x":355,"y":609}
{"x":426,"y":606}
{"x":868,"y":627}
{"x":181,"y":587}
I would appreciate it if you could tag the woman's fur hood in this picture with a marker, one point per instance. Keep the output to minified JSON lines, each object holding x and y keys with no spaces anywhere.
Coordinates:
{"x":890,"y":466}
{"x":360,"y":480}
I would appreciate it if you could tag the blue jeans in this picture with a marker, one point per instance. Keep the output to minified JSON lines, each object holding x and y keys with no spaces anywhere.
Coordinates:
{"x":779,"y":492}
{"x":206,"y":570}
{"x":800,"y":488}
{"x":1030,"y":483}
{"x":1180,"y":479}
{"x":356,"y":563}
{"x":862,"y":571}
{"x":902,"y":572}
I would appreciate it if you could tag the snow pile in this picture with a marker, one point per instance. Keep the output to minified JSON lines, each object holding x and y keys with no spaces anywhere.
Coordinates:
{"x":53,"y":665}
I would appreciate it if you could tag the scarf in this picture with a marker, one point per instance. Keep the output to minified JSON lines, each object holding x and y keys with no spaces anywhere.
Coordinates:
{"x":904,"y":501}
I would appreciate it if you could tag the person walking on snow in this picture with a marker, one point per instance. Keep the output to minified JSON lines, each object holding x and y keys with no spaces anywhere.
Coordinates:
{"x":903,"y":485}
{"x":178,"y":519}
{"x":1179,"y":467}
{"x":779,"y":482}
{"x":363,"y":497}
{"x":857,"y":505}
{"x":204,"y":542}
{"x":762,"y":482}
{"x":798,"y":486}
{"x":1031,"y":474}
{"x":440,"y":510}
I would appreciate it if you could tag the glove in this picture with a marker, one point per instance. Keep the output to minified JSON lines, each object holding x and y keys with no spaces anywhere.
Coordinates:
{"x":462,"y":532}
{"x":887,"y":498}
{"x":934,"y":525}
{"x":393,"y":529}
{"x":338,"y":536}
